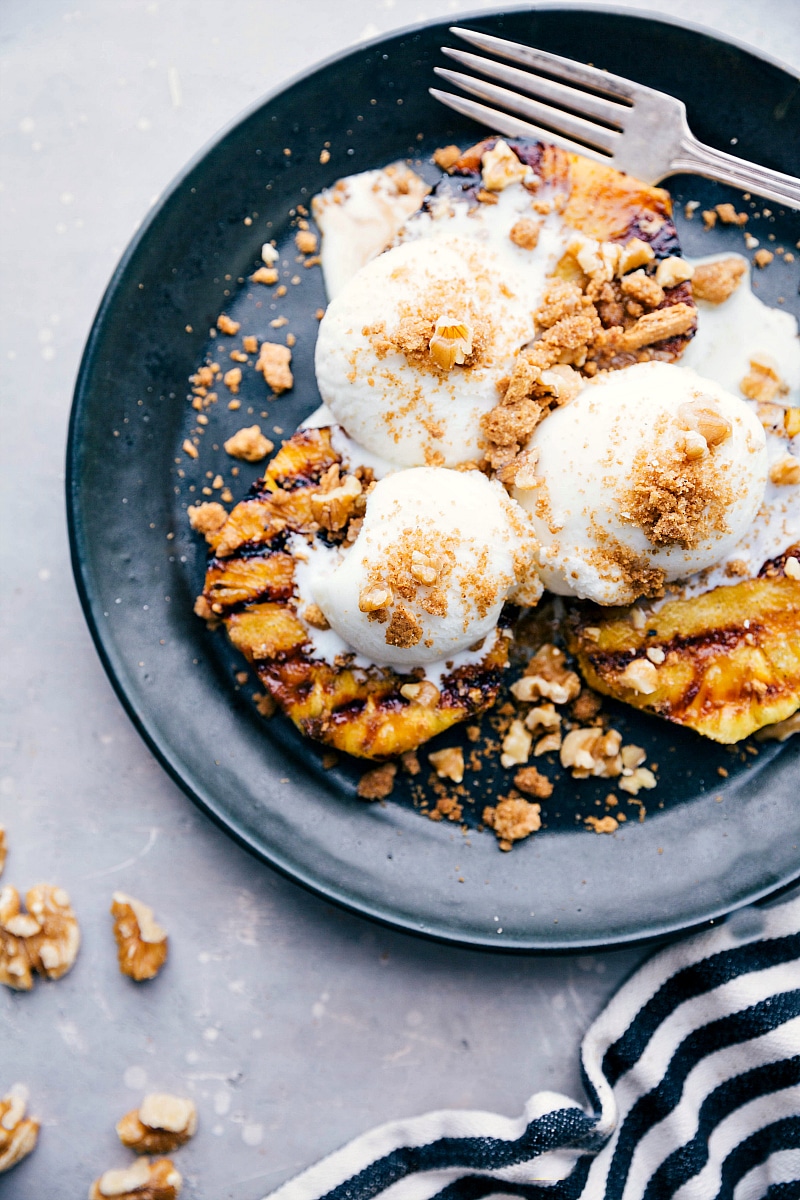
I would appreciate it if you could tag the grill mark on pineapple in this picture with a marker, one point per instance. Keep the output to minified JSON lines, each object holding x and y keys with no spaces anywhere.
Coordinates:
{"x":710,"y":640}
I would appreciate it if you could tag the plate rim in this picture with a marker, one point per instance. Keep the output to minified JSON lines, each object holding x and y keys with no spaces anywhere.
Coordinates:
{"x":157,"y":744}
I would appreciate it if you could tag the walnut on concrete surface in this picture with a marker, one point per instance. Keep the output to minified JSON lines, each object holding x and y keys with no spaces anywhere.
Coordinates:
{"x":44,"y":939}
{"x":18,"y":1133}
{"x":142,"y":944}
{"x":159,"y":1125}
{"x":144,"y":1180}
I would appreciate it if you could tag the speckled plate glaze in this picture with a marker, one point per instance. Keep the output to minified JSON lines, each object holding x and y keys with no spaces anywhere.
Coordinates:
{"x":711,"y":842}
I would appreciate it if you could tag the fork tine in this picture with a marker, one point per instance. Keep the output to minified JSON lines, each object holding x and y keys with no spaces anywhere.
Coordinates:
{"x":501,"y":122}
{"x":552,"y":64}
{"x":546,"y":89}
{"x":595,"y":135}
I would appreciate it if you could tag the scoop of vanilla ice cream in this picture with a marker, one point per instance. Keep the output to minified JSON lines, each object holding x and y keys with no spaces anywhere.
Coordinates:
{"x":374,"y":363}
{"x":427,"y":576}
{"x":650,"y":474}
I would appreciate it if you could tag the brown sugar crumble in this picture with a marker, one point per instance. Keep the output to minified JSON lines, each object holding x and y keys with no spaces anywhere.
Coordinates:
{"x":249,"y":444}
{"x":207,"y":518}
{"x":266,"y":275}
{"x":378,"y":783}
{"x":533,"y":783}
{"x":525,"y":233}
{"x":306,"y":241}
{"x":512,"y":819}
{"x":226,"y":325}
{"x":729,"y":216}
{"x":273,"y":364}
{"x":716,"y":281}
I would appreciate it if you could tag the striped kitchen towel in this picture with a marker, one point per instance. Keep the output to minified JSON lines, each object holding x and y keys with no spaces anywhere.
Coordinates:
{"x":693,"y":1078}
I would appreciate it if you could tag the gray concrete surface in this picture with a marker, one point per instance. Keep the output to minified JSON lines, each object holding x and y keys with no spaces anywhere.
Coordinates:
{"x":294,"y":1026}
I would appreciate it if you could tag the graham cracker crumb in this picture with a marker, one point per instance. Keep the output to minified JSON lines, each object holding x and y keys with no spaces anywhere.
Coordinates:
{"x":207,"y":518}
{"x":249,"y":444}
{"x":525,"y":233}
{"x":273,"y":363}
{"x":378,"y":783}
{"x":533,"y":782}
{"x":267,"y":275}
{"x":716,"y":281}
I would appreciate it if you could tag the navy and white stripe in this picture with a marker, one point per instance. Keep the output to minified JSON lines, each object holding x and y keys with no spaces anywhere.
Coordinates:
{"x":693,"y":1079}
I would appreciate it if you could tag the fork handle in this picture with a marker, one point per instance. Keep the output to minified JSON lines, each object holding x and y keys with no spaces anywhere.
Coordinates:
{"x":727,"y":168}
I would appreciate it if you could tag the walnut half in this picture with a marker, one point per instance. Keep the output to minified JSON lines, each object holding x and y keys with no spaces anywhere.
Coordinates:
{"x":144,"y":1180}
{"x":46,"y":938}
{"x":142,"y":944}
{"x":159,"y":1125}
{"x":18,"y":1133}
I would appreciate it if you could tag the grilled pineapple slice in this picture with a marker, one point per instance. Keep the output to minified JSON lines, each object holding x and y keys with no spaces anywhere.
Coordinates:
{"x":731,"y":658}
{"x":249,"y":586}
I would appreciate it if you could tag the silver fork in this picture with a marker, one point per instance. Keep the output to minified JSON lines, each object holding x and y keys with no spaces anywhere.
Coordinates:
{"x":631,"y":127}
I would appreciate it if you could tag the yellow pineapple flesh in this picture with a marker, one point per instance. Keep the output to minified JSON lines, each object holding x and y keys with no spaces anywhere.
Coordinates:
{"x":726,"y":663}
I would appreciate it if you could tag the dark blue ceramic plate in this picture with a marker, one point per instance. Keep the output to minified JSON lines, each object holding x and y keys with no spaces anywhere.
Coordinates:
{"x":709,"y":843}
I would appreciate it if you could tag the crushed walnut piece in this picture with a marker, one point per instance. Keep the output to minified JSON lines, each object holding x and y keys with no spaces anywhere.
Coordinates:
{"x":273,"y":363}
{"x":641,"y":675}
{"x":143,"y":1180}
{"x":159,"y":1125}
{"x":337,"y":501}
{"x":763,"y":383}
{"x":142,"y":945}
{"x":448,"y":763}
{"x":18,"y":1133}
{"x":672,"y":271}
{"x":512,"y":819}
{"x":249,"y":444}
{"x":446,"y":157}
{"x":516,"y":747}
{"x":207,"y":518}
{"x":451,"y":343}
{"x":592,"y":752}
{"x":544,"y":717}
{"x":315,"y":617}
{"x":378,"y":783}
{"x":45,"y":939}
{"x":501,"y":167}
{"x":716,"y":281}
{"x":226,"y":325}
{"x":533,"y":782}
{"x":641,"y":777}
{"x":424,"y":693}
{"x":785,"y":471}
{"x":547,"y":676}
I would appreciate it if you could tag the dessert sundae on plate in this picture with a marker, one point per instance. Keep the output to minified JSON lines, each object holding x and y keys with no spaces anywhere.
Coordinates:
{"x":530,"y":399}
